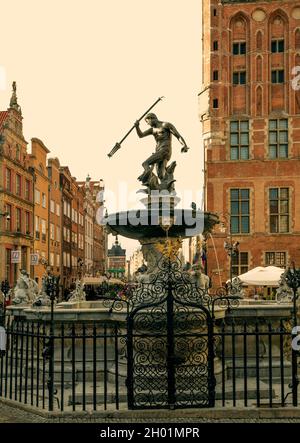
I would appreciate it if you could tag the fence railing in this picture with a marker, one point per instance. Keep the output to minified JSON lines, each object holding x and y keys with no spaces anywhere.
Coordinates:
{"x":252,"y":366}
{"x":89,"y":366}
{"x":254,"y":362}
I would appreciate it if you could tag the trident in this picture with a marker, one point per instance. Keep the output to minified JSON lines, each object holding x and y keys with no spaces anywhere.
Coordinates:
{"x":118,"y":145}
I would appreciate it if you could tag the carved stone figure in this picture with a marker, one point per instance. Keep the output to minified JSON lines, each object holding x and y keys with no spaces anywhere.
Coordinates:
{"x":42,"y":298}
{"x":78,"y":294}
{"x":197,"y":276}
{"x":25,"y":290}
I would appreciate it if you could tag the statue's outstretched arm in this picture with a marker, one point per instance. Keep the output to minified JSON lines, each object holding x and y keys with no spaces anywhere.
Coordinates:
{"x":178,"y":136}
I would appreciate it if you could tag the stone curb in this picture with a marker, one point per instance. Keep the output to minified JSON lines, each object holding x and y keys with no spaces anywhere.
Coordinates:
{"x":206,"y":413}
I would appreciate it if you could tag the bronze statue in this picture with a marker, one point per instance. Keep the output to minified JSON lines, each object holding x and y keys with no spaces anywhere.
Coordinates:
{"x":162,"y":133}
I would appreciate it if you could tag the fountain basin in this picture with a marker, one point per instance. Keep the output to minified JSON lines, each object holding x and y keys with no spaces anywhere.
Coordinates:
{"x":144,"y":223}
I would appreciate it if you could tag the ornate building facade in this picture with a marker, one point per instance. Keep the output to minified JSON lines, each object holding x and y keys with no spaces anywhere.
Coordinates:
{"x":116,"y":260}
{"x":16,"y":195}
{"x":249,"y":107}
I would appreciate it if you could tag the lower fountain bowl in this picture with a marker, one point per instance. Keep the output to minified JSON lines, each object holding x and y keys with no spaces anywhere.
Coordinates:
{"x":144,"y":223}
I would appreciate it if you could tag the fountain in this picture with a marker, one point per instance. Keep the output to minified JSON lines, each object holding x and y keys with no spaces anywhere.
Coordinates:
{"x":159,"y":228}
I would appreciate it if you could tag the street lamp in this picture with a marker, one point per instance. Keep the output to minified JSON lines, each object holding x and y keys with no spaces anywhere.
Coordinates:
{"x":232,"y":250}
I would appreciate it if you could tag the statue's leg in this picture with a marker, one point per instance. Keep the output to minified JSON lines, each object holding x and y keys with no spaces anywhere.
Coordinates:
{"x":161,"y":168}
{"x":153,"y":159}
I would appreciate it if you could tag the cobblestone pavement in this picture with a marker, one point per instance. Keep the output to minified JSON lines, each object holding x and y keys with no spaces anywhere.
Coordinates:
{"x":16,"y":415}
{"x":10,"y":414}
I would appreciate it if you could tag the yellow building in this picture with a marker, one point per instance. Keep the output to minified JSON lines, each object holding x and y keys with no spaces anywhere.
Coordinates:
{"x":38,"y":161}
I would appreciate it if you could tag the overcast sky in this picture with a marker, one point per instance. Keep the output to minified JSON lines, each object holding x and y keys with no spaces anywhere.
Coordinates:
{"x":86,"y":70}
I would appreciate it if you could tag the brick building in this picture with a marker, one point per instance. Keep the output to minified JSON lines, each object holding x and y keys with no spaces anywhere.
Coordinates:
{"x":66,"y":226}
{"x":55,"y":216}
{"x":16,"y":194}
{"x":250,"y":113}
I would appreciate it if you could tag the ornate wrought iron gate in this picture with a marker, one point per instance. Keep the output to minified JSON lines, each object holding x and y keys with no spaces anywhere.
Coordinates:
{"x":170,"y":343}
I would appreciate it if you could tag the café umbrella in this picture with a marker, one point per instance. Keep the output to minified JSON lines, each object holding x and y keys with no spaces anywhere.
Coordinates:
{"x":262,"y":276}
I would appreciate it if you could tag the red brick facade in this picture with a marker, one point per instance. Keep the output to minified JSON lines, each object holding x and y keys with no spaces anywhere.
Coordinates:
{"x":250,"y":114}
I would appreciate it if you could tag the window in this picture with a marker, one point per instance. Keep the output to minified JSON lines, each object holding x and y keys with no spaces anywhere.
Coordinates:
{"x":52,"y":206}
{"x":18,"y":184}
{"x":57,"y":210}
{"x":239,"y":211}
{"x":215,"y":45}
{"x":239,"y":78}
{"x":43,"y":230}
{"x":18,"y":220}
{"x":276,"y":259}
{"x":277,"y":46}
{"x":239,"y":140}
{"x":215,"y":103}
{"x":44,"y":203}
{"x":57,"y":260}
{"x":278,"y":138}
{"x":214,"y":12}
{"x":37,"y":227}
{"x":279,"y":210}
{"x":239,"y":48}
{"x":57,"y":233}
{"x":277,"y":76}
{"x":37,"y":198}
{"x":27,"y":189}
{"x":27,"y":222}
{"x":52,"y":231}
{"x":239,"y":263}
{"x":8,"y":179}
{"x":215,"y":75}
{"x":8,"y":221}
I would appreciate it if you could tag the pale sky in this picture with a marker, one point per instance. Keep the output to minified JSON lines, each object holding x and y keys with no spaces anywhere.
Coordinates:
{"x":86,"y":70}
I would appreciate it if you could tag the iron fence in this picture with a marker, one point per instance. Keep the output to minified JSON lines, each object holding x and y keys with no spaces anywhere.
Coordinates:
{"x":86,"y":371}
{"x":252,"y":365}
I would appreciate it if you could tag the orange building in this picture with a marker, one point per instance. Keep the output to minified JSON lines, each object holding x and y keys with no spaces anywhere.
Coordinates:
{"x":77,"y":231}
{"x":250,"y":112}
{"x":16,"y":195}
{"x":38,"y":162}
